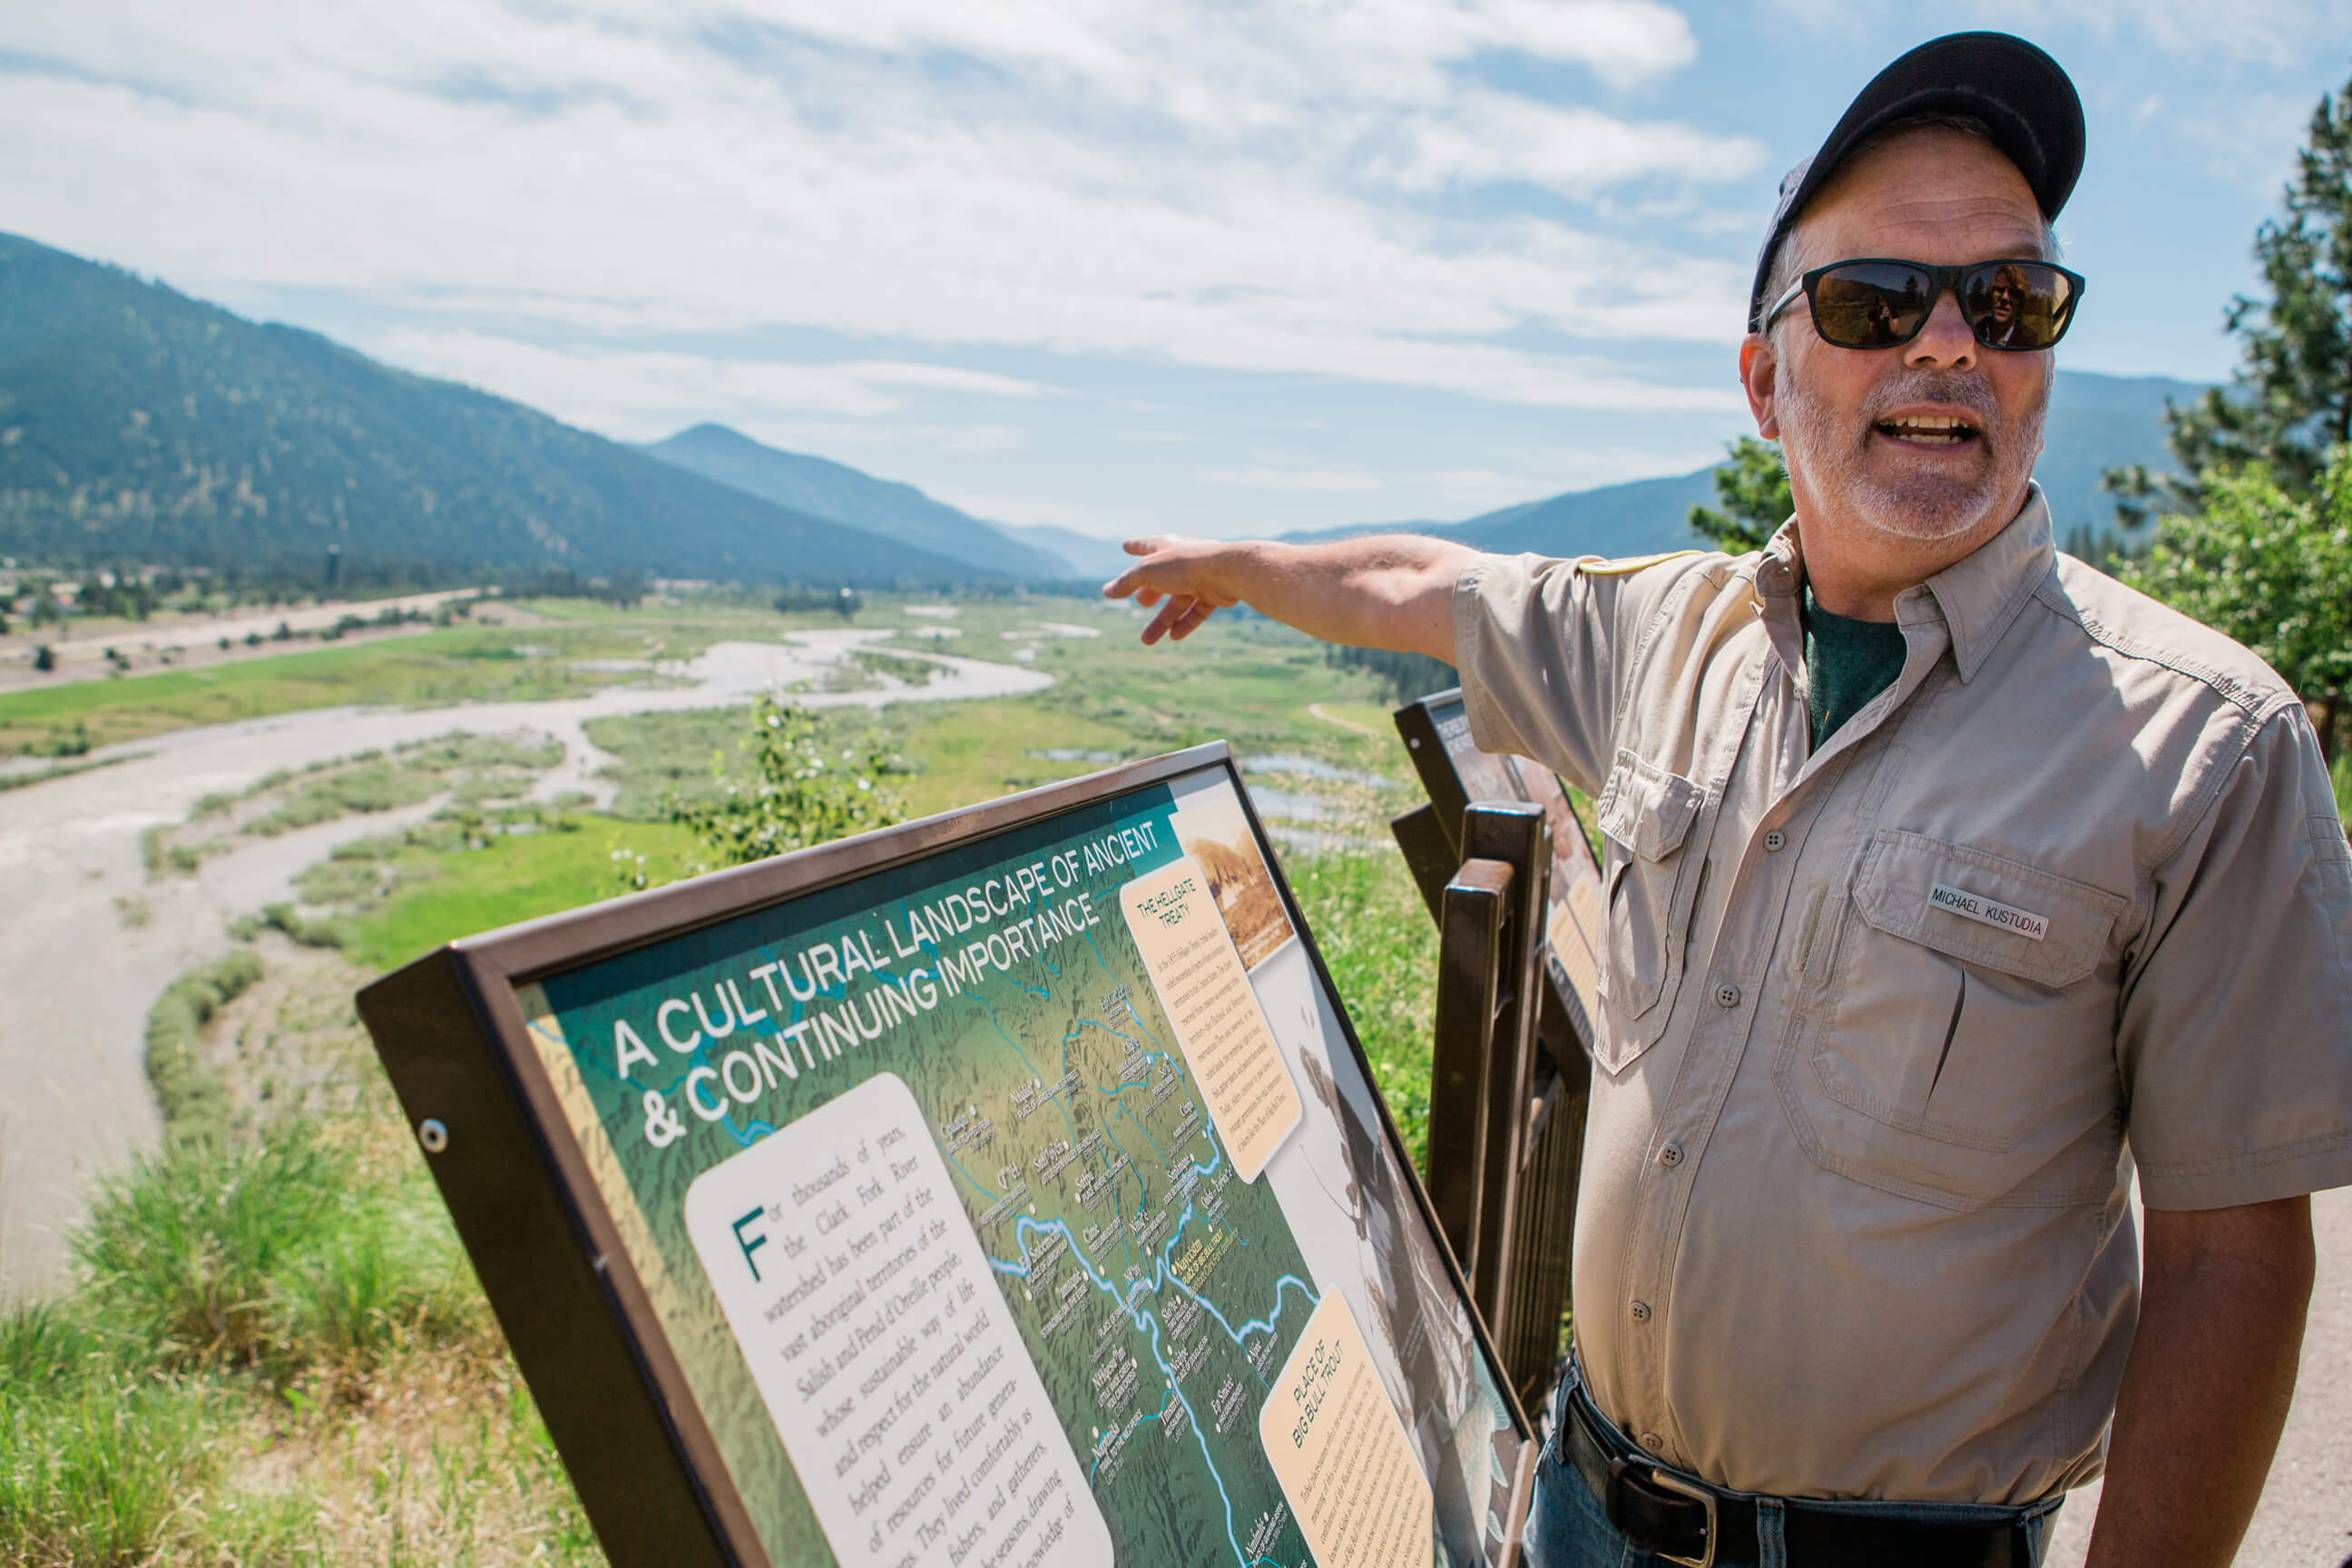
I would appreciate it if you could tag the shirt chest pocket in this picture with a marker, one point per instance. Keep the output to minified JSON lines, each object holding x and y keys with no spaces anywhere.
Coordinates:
{"x":1646,"y":813}
{"x":1960,"y":1047}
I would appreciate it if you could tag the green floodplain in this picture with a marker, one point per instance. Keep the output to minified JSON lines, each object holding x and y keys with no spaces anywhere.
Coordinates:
{"x":273,"y":1351}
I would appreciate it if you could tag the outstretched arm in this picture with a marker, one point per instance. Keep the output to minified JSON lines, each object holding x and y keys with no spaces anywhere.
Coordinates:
{"x":1391,"y":591}
{"x":2207,"y":1387}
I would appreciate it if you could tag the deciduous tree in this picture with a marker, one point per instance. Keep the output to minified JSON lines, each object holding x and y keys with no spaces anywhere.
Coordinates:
{"x":2272,"y":569}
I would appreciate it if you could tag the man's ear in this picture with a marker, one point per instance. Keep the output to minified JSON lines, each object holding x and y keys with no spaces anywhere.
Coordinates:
{"x":1758,"y":370}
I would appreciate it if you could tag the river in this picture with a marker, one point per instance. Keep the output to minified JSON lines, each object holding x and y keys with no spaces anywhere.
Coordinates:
{"x":76,"y":981}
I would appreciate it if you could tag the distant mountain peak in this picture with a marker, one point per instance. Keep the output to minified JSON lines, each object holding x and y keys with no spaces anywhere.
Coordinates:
{"x":888,"y":509}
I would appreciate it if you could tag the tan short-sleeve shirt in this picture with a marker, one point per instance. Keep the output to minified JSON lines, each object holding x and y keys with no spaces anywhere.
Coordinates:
{"x":1886,"y":1026}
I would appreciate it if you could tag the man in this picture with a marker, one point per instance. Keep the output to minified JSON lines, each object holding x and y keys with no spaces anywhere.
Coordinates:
{"x":1949,"y":882}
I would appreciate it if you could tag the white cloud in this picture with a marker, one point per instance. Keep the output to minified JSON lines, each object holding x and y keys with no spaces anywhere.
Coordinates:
{"x":1250,"y":188}
{"x":1268,"y":476}
{"x":633,"y":394}
{"x":1496,"y":136}
{"x":886,"y":373}
{"x":899,"y":437}
{"x":2274,"y":34}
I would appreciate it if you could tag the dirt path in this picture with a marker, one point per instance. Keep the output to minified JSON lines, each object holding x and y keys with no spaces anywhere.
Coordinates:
{"x":76,"y":981}
{"x":2304,"y":1519}
{"x":1316,"y":710}
{"x":82,"y":657}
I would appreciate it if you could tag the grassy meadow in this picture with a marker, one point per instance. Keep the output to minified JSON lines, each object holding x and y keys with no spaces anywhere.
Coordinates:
{"x":273,"y":1351}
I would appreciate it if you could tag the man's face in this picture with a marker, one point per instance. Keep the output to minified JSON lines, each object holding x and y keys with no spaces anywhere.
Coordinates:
{"x":1931,"y":442}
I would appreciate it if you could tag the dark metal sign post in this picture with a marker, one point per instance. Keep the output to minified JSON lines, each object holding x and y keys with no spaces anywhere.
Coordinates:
{"x":1502,"y":860}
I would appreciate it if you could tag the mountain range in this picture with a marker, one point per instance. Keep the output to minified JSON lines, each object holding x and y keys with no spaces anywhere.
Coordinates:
{"x":137,"y":424}
{"x":2096,"y":422}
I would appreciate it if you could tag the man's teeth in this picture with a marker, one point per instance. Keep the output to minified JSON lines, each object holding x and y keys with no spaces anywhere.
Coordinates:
{"x":1933,"y":429}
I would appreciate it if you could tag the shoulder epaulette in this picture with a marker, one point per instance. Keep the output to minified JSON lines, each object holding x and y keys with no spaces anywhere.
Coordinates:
{"x":1593,"y":565}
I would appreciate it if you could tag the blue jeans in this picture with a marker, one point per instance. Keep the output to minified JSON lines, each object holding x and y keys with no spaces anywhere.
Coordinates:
{"x":1567,"y":1527}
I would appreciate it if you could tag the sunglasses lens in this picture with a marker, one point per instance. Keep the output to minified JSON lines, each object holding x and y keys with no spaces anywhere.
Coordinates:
{"x":2017,"y":304}
{"x":1871,"y":304}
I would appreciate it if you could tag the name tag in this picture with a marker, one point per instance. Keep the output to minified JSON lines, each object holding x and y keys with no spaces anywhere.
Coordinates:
{"x":1977,"y":906}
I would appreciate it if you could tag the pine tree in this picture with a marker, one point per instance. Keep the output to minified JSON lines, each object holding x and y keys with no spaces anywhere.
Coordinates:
{"x":2291,"y":399}
{"x":1754,"y":489}
{"x":2260,"y":541}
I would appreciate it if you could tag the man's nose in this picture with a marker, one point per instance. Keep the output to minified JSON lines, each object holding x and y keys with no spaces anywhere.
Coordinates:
{"x":1945,"y":342}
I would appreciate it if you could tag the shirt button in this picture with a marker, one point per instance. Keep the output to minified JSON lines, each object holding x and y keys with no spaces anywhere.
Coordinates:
{"x":1641,"y":1311}
{"x":1652,"y":1442}
{"x":1727,"y":996}
{"x":1671,"y":1155}
{"x":1775,"y":841}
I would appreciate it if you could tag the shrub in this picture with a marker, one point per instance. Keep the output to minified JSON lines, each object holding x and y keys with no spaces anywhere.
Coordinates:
{"x":799,"y":795}
{"x":273,"y":1254}
{"x":391,"y":1272}
{"x":370,"y":787}
{"x":325,"y":931}
{"x":2271,"y":569}
{"x":187,"y":1247}
{"x":192,"y":1093}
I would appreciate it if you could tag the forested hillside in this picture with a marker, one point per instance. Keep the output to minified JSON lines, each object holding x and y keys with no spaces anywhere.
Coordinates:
{"x":137,"y":424}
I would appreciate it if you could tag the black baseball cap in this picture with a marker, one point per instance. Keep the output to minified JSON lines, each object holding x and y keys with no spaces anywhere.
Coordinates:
{"x":2022,"y":94}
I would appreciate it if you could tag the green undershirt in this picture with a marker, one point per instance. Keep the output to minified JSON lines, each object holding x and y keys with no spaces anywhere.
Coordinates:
{"x":1847,"y":663}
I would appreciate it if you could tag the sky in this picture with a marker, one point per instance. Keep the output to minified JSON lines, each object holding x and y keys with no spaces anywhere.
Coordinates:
{"x":1118,"y":266}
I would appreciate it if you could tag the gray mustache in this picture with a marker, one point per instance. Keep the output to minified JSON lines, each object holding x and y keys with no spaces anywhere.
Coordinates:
{"x":1961,"y":389}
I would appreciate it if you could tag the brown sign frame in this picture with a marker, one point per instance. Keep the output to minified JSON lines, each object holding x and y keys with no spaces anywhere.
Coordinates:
{"x":452,"y":1035}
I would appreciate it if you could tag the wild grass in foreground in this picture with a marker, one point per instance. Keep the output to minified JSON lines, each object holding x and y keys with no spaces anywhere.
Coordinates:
{"x":274,"y":1351}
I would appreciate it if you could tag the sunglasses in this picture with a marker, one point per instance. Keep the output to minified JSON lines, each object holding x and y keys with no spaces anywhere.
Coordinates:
{"x":1875,"y":303}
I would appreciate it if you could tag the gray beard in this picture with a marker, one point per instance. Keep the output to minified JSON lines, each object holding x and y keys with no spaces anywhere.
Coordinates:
{"x":1920,"y":507}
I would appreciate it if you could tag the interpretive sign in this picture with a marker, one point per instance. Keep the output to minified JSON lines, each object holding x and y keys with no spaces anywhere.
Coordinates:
{"x":1005,"y":1190}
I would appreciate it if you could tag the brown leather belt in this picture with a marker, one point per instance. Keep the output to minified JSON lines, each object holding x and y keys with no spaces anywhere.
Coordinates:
{"x":1685,"y":1521}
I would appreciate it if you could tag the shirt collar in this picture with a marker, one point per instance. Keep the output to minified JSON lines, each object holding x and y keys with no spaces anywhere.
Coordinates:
{"x":1976,"y":597}
{"x":1981,"y":593}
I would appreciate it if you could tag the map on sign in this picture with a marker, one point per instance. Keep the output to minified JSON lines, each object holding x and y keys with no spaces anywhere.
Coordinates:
{"x":1021,"y":1204}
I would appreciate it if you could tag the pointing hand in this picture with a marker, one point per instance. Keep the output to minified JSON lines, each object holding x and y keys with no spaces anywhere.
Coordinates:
{"x":1188,"y":579}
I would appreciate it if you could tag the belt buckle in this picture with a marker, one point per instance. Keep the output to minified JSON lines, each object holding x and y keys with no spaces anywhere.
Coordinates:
{"x":1705,"y":1500}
